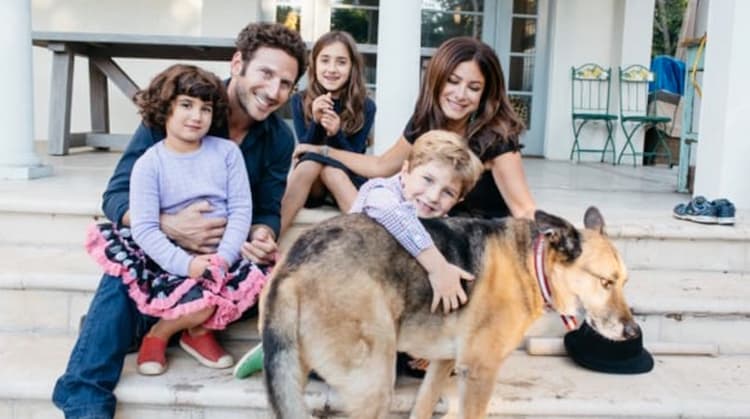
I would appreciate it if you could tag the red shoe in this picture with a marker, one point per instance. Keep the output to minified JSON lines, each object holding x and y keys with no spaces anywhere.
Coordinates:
{"x":151,"y":357}
{"x":206,"y":350}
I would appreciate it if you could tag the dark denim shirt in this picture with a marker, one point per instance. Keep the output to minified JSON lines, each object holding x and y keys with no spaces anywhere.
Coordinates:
{"x":267,"y":149}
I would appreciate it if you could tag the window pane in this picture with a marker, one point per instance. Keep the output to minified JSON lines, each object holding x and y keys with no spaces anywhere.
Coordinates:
{"x":289,"y":16}
{"x":374,"y":3}
{"x":439,"y":26}
{"x":524,"y":7}
{"x":454,"y":5}
{"x":521,"y":74}
{"x":522,"y":106}
{"x":523,"y":37}
{"x":371,"y":61}
{"x":361,"y":23}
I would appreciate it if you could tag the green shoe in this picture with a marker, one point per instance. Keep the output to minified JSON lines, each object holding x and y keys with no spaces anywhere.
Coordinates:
{"x":250,"y":363}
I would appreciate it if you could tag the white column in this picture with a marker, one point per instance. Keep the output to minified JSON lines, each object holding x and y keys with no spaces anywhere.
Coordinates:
{"x":723,"y":139}
{"x":397,"y":84}
{"x":17,"y":157}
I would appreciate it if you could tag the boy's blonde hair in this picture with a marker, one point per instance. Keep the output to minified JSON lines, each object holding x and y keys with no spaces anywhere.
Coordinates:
{"x":451,"y":149}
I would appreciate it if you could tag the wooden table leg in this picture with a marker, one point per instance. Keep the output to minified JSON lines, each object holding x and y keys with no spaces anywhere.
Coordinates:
{"x":99,"y":99}
{"x":61,"y":91}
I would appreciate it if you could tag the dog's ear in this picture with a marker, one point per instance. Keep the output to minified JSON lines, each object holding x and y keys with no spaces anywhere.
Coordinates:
{"x":593,"y":220}
{"x":560,"y":234}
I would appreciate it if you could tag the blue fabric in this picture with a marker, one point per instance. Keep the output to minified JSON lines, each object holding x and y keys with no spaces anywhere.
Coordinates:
{"x":113,"y":325}
{"x":669,"y":74}
{"x":314,"y":133}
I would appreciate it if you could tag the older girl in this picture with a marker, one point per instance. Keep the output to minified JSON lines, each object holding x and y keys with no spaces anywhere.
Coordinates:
{"x":334,"y":112}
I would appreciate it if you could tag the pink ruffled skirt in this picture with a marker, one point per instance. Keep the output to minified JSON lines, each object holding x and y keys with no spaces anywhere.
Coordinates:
{"x":161,"y":294}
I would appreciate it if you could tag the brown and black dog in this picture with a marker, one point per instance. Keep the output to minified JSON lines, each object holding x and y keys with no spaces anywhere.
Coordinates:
{"x":347,"y":296}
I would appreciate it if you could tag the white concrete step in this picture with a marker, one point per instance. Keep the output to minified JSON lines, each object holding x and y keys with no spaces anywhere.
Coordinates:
{"x":46,"y":289}
{"x":666,"y":244}
{"x":528,"y":386}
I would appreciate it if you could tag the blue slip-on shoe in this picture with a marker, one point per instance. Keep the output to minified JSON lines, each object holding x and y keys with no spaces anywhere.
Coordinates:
{"x":698,"y":210}
{"x":724,"y":211}
{"x":250,"y":363}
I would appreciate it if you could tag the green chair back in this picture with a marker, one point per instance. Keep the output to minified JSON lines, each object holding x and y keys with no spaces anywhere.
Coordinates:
{"x":590,"y":89}
{"x":634,"y":81}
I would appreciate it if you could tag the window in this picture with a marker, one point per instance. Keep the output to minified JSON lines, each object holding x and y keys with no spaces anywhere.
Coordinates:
{"x":444,"y":19}
{"x":288,"y":13}
{"x":360,"y":19}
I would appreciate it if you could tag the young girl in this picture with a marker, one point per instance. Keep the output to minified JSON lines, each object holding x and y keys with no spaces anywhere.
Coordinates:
{"x":187,"y":292}
{"x":334,"y":112}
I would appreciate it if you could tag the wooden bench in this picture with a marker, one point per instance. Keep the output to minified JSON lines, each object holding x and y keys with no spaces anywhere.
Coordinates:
{"x":100,"y":49}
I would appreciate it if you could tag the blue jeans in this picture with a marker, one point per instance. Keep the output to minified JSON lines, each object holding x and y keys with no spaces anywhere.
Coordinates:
{"x":112,"y":327}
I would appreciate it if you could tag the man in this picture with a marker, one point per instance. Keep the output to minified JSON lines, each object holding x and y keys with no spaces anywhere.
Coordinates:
{"x":267,"y":64}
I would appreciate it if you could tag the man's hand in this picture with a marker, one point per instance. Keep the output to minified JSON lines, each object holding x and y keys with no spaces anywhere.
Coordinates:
{"x":191,"y":230}
{"x":261,"y":248}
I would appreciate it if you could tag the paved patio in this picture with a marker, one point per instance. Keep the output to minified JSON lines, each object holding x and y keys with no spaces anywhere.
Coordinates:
{"x":625,"y":195}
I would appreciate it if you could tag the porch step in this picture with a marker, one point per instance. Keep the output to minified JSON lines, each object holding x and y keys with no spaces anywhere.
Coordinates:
{"x":46,"y":290}
{"x":528,"y":386}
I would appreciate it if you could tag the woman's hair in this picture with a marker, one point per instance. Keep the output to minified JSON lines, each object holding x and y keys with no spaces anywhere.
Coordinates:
{"x":271,"y":35}
{"x":353,"y":93}
{"x":450,"y":149}
{"x":155,"y":102}
{"x":495,"y":118}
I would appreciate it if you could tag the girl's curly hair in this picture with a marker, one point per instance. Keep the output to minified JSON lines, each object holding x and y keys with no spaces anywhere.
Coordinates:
{"x":155,"y":102}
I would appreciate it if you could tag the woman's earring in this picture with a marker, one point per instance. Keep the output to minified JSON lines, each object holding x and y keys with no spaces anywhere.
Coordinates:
{"x":473,"y":117}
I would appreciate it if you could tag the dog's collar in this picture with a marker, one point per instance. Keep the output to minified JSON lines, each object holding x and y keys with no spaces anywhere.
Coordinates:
{"x":541,"y":277}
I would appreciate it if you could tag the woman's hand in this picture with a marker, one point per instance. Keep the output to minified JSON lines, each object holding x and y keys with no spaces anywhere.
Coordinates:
{"x":191,"y":230}
{"x":305,"y":148}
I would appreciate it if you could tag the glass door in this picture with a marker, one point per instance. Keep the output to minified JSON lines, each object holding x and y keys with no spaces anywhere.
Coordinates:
{"x":520,"y":41}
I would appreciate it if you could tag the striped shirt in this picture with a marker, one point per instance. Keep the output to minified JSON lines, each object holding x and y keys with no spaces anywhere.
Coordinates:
{"x":382,"y":199}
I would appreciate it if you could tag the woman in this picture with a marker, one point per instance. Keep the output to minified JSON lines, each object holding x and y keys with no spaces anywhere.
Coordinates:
{"x":463,"y":91}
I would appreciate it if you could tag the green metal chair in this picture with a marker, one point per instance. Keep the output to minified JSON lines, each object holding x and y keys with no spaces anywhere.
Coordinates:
{"x":590,"y":103}
{"x":634,"y":114}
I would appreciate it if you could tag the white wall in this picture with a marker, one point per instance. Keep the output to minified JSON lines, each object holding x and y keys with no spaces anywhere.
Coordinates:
{"x":723,"y":145}
{"x":607,"y":32}
{"x":223,"y":18}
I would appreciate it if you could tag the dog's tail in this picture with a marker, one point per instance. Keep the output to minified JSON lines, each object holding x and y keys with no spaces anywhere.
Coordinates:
{"x":284,"y":375}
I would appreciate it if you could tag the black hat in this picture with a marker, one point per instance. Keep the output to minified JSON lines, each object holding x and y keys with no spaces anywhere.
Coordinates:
{"x":591,"y":350}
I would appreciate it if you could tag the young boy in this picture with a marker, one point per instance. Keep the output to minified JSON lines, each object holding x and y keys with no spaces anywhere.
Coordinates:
{"x":438,"y":173}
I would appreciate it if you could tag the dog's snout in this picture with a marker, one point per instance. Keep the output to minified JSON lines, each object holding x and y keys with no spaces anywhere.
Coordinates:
{"x":631,"y":330}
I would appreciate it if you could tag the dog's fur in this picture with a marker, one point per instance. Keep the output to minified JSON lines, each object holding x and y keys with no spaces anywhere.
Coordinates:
{"x":347,"y":296}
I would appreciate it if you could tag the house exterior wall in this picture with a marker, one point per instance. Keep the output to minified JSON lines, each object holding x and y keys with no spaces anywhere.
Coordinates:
{"x":164,"y":17}
{"x":723,"y":147}
{"x":607,"y":32}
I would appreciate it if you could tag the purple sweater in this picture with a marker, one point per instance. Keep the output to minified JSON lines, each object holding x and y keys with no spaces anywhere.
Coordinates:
{"x":382,"y":199}
{"x":164,"y":181}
